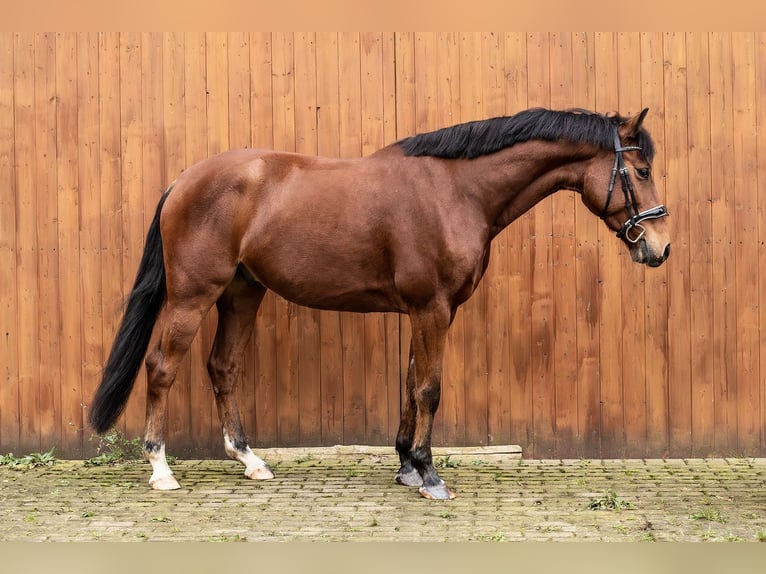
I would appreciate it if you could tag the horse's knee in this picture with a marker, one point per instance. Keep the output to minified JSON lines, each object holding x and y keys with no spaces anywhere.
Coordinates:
{"x":428,"y":395}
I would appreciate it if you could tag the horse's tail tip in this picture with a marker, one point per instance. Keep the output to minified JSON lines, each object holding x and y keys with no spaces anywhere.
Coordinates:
{"x":100,"y":419}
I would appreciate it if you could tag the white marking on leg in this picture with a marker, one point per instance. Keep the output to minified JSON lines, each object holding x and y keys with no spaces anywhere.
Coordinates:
{"x":255,"y":467}
{"x":162,"y":477}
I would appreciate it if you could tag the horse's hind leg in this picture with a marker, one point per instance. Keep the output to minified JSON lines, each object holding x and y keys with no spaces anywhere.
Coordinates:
{"x":237,"y":308}
{"x":177,"y":326}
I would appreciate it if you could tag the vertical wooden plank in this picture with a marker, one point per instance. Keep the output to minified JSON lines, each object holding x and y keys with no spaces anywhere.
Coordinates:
{"x":588,"y":442}
{"x":287,"y":328}
{"x":760,"y":74}
{"x":425,"y":82}
{"x":309,"y":342}
{"x":110,"y":183}
{"x":392,"y":322}
{"x":656,"y":302}
{"x":746,"y":250}
{"x":375,"y":337}
{"x":328,"y":120}
{"x":26,"y":241}
{"x":429,"y":62}
{"x":679,"y":365}
{"x":449,"y":426}
{"x":9,"y":327}
{"x":67,"y":144}
{"x":264,"y":381}
{"x":203,"y":421}
{"x":132,"y":209}
{"x":723,"y":229}
{"x":240,"y":136}
{"x":610,"y":274}
{"x":49,"y":373}
{"x":496,"y":279}
{"x":564,"y":267}
{"x":542,"y":304}
{"x":153,"y":167}
{"x":519,"y":268}
{"x":174,"y":151}
{"x":153,"y":157}
{"x":518,"y":379}
{"x":89,"y":185}
{"x":305,"y":92}
{"x":475,"y":309}
{"x":406,"y":126}
{"x":173,"y":110}
{"x":217,"y":74}
{"x":352,"y":324}
{"x":238,"y":67}
{"x":261,"y":116}
{"x":217,"y":103}
{"x":701,"y":266}
{"x":633,"y":344}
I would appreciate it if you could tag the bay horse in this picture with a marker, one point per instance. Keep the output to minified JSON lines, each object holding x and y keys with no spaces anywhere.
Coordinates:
{"x":406,"y":229}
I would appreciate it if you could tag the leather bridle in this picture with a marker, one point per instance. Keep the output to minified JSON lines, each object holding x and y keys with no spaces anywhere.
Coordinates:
{"x":632,"y":231}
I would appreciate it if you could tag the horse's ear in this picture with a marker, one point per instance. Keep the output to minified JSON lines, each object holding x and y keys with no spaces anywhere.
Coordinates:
{"x":631,"y":127}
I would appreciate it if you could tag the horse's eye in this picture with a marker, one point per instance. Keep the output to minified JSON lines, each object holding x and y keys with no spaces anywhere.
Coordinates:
{"x":643,"y":172}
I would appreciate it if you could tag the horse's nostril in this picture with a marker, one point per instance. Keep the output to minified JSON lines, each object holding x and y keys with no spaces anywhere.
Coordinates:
{"x":666,"y":254}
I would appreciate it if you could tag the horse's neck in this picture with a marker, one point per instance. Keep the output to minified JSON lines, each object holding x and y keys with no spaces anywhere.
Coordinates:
{"x":510,"y":182}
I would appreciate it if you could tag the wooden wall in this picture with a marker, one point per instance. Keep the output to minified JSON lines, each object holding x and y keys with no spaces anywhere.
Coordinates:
{"x":568,"y":348}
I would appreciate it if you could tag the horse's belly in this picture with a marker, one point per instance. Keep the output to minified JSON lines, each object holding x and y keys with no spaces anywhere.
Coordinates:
{"x":327,"y":287}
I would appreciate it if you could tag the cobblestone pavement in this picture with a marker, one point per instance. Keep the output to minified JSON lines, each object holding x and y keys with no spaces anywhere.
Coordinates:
{"x":321,"y":494}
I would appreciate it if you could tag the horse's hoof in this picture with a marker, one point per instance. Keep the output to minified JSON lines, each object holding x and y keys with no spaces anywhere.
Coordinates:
{"x":437,"y":492}
{"x":259,"y":473}
{"x":165,"y":483}
{"x":411,"y":478}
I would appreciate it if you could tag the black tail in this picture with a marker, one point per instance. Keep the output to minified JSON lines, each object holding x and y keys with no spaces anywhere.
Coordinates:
{"x":129,"y":347}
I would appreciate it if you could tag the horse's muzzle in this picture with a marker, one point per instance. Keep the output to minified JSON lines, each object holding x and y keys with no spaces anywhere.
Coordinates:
{"x":653,"y":260}
{"x":641,"y":253}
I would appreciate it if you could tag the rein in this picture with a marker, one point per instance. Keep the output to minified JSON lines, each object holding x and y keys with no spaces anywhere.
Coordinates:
{"x":631,"y":205}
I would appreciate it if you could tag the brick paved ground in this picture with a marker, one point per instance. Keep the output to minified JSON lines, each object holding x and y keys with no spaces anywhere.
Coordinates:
{"x":323,"y":495}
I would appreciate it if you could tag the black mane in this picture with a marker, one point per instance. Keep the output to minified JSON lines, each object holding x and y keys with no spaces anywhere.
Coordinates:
{"x":473,"y":139}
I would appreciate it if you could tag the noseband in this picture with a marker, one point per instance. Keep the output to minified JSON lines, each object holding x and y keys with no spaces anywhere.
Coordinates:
{"x":633,"y":231}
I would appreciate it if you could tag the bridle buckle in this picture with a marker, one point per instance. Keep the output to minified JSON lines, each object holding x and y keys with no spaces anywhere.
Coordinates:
{"x":635,"y":222}
{"x":629,"y":230}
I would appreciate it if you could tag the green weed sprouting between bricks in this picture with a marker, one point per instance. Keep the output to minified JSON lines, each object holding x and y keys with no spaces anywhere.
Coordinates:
{"x":610,"y":501}
{"x":32,"y":460}
{"x":114,"y":448}
{"x":709,"y":514}
{"x":445,"y":462}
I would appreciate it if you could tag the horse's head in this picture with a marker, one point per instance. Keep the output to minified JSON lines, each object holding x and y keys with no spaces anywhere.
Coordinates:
{"x":620,"y":188}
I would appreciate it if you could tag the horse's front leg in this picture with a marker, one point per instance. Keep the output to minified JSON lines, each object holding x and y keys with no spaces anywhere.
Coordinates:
{"x":429,"y":334}
{"x":408,"y":474}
